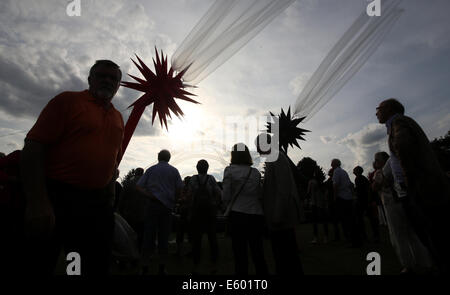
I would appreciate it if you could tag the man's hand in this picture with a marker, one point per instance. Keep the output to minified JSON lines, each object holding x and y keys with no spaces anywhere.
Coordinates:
{"x":39,"y":220}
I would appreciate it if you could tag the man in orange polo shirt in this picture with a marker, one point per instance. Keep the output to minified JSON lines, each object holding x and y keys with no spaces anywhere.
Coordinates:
{"x":67,"y":167}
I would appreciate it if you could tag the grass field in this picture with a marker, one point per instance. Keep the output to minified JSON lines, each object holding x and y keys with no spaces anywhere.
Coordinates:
{"x":333,"y":258}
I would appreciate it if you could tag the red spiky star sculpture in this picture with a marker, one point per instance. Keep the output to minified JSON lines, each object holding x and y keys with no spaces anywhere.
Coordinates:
{"x":160,"y":88}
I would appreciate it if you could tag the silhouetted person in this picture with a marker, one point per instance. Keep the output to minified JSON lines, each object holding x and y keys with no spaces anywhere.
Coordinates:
{"x":184,"y":204}
{"x":375,"y":208}
{"x":162,"y":184}
{"x":362,"y":190}
{"x":12,"y":203}
{"x":421,"y":185}
{"x":243,"y":195}
{"x":333,"y":210}
{"x":281,"y":209}
{"x":319,"y":204}
{"x":133,"y":204}
{"x":67,"y":165}
{"x":343,"y":193}
{"x":206,"y":195}
{"x":412,"y":254}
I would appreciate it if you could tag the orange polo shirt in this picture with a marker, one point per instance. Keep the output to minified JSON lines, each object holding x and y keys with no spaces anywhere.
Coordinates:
{"x":83,"y":138}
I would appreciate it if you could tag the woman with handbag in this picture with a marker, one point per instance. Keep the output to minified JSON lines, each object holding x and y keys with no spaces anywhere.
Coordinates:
{"x":242,"y":194}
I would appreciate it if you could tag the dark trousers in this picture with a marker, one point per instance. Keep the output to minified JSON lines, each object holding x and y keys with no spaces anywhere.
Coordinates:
{"x":285,"y":252}
{"x":319,"y":215}
{"x":204,"y":225}
{"x":158,"y":223}
{"x":12,"y":245}
{"x":84,"y":223}
{"x":360,"y":227}
{"x":372,"y":215}
{"x":247,"y":230}
{"x":335,"y":218}
{"x":183,"y":228}
{"x":345,"y":213}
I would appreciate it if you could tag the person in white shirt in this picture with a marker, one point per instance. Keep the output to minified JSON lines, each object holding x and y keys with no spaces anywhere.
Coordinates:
{"x":162,"y":184}
{"x":412,"y":254}
{"x":343,"y":194}
{"x":242,"y":194}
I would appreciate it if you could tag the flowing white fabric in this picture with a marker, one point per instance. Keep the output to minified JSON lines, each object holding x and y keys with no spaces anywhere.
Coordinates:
{"x":225,"y":28}
{"x":347,"y":56}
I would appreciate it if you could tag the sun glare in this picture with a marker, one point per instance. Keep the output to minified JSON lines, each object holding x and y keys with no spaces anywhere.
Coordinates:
{"x":186,"y":129}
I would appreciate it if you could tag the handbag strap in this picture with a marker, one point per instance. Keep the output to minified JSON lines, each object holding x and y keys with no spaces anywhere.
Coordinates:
{"x":236,"y":195}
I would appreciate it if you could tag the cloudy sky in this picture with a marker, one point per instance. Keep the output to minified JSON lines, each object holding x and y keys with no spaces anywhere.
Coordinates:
{"x":43,"y":52}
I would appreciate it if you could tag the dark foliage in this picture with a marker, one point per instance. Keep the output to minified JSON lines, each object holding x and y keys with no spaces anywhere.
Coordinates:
{"x":441,"y":147}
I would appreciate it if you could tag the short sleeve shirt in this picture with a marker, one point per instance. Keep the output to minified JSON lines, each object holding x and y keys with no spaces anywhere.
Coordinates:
{"x":162,"y":180}
{"x":84,"y":139}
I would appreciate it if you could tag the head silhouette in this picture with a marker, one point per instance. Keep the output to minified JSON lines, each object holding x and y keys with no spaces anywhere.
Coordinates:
{"x":240,"y":155}
{"x":164,"y":155}
{"x":388,"y":108}
{"x":202,"y":167}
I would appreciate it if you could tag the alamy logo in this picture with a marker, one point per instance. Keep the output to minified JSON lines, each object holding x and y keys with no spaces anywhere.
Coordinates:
{"x":374,"y":267}
{"x":74,"y":266}
{"x":74,"y":8}
{"x":374,"y":8}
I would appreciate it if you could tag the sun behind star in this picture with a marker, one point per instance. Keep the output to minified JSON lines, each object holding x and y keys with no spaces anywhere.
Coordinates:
{"x":160,"y":88}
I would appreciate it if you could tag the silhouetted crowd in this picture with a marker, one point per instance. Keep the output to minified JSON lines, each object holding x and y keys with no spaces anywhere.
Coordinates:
{"x":60,"y":193}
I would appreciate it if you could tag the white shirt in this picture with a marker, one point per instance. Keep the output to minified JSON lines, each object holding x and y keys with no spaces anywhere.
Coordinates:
{"x":249,"y":199}
{"x":344,"y":185}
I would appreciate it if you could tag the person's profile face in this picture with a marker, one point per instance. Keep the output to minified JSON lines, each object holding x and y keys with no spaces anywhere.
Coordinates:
{"x":104,"y":82}
{"x":382,"y":112}
{"x":378,"y":163}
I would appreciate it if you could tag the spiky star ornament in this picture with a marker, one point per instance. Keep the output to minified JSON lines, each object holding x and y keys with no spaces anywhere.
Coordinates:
{"x":289,"y":133}
{"x":160,"y":88}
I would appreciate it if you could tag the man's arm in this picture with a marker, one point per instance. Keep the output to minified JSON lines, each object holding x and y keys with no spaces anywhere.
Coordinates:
{"x":178,"y":186}
{"x":145,"y":192}
{"x":404,"y":148}
{"x":39,"y":216}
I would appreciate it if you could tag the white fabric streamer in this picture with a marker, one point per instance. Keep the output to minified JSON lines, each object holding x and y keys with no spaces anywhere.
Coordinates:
{"x":347,"y":56}
{"x":222,"y":31}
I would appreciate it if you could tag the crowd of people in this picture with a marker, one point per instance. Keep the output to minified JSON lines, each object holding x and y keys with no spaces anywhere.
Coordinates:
{"x":253,"y":209}
{"x":60,"y":192}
